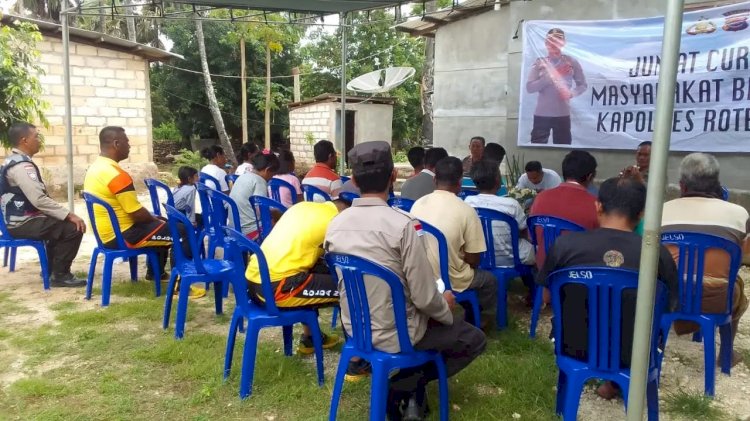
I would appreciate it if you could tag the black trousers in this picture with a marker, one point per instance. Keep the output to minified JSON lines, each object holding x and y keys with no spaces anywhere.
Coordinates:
{"x":154,"y":235}
{"x":459,"y":344}
{"x":61,"y":238}
{"x":559,"y":126}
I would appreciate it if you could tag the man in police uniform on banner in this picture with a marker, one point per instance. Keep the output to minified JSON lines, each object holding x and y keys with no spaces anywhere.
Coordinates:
{"x":388,"y":236}
{"x":31,"y":213}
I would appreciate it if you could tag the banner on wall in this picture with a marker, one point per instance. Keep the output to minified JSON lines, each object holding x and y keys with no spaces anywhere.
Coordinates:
{"x":592,"y":84}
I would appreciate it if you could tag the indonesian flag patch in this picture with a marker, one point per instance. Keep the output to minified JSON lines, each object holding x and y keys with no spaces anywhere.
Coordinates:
{"x":418,"y":229}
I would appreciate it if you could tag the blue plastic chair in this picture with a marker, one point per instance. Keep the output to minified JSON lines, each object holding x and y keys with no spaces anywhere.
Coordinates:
{"x":221,"y":210}
{"x":724,"y":193}
{"x":154,"y":186}
{"x":464,"y":193}
{"x":503,"y":274}
{"x":344,"y":178}
{"x":605,"y":288}
{"x":259,"y":317}
{"x":359,"y":343}
{"x":690,"y":265}
{"x":276,"y":184}
{"x":122,"y":251}
{"x":402,"y":203}
{"x":551,"y":228}
{"x":348,"y":196}
{"x":190,"y":271}
{"x":11,"y":244}
{"x":231,"y":179}
{"x":311,"y":191}
{"x":209,"y":181}
{"x":469,"y":295}
{"x":263,"y":208}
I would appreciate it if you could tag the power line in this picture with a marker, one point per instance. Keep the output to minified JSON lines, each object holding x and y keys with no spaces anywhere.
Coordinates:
{"x":221,"y":111}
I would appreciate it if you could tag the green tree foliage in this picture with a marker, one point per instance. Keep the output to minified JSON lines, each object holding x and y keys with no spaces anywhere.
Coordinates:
{"x":178,"y":95}
{"x":20,"y":90}
{"x":373,"y":45}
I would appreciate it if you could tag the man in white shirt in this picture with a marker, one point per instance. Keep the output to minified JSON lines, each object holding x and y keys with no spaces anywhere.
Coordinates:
{"x":538,"y":178}
{"x":216,"y":161}
{"x":423,"y":183}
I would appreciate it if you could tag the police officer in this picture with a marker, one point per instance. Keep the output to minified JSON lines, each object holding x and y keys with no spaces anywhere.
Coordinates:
{"x":31,"y":213}
{"x":372,"y":230}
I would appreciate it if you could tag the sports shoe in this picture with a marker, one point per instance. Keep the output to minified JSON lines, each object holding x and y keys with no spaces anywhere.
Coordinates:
{"x":357,"y":370}
{"x":66,"y":280}
{"x":195,"y":292}
{"x":306,"y":346}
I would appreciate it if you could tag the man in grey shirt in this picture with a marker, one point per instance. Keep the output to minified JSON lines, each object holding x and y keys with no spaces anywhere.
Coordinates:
{"x":553,"y":78}
{"x":423,"y":183}
{"x":537,"y":178}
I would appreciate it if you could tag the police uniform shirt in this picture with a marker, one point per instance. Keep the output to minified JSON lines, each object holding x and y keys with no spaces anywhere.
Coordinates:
{"x":25,"y":176}
{"x":392,"y":238}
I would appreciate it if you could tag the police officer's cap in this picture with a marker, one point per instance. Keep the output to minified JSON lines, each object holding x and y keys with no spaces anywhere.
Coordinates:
{"x":370,"y":156}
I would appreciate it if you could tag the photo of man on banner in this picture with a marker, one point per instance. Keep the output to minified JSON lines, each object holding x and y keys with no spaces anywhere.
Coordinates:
{"x":556,"y":78}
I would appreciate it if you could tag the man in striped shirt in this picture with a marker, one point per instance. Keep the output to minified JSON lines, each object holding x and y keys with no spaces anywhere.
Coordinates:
{"x":323,"y":175}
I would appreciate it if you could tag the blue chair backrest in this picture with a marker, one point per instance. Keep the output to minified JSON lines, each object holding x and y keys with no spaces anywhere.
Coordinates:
{"x":605,"y":287}
{"x":223,"y":208}
{"x":237,"y":245}
{"x":691,"y":264}
{"x":551,"y":227}
{"x":206,"y":210}
{"x":348,"y":196}
{"x":724,"y":193}
{"x":175,"y":218}
{"x":263,"y":207}
{"x":209,"y":181}
{"x":442,"y":252}
{"x":487,"y":217}
{"x":344,"y":178}
{"x":231,"y":178}
{"x":154,"y":186}
{"x":463,"y":194}
{"x":93,"y":201}
{"x":401,"y":202}
{"x":4,"y":233}
{"x":276,"y":184}
{"x":353,"y":269}
{"x":311,"y":191}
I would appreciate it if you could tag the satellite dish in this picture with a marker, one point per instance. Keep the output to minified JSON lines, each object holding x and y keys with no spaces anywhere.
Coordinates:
{"x":382,"y":80}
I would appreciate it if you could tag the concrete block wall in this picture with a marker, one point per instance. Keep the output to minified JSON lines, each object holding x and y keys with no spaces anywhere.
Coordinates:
{"x":109,"y":88}
{"x":316,"y":119}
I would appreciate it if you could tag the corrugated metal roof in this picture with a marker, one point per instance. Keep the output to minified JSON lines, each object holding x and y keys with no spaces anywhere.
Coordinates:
{"x":337,"y":98}
{"x":427,"y":24}
{"x":97,"y":39}
{"x":300,"y":6}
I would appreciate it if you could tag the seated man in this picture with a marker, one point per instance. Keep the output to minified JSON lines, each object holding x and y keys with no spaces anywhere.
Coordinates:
{"x":701,"y":209}
{"x":486,"y":177}
{"x":106,"y":180}
{"x":476,"y":152}
{"x":642,"y":162}
{"x":323,"y":174}
{"x":299,"y":277}
{"x":423,"y":183}
{"x":393,"y":239}
{"x":537,"y":178}
{"x":619,"y":208}
{"x":463,"y":231}
{"x":415,"y":156}
{"x":31,"y":213}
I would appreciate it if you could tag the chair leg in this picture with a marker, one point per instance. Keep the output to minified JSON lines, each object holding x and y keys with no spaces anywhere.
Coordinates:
{"x":107,"y":279}
{"x":133,"y":261}
{"x":338,"y":385}
{"x":153,"y":260}
{"x":501,"y":311}
{"x":6,"y":252}
{"x":335,"y":317}
{"x":13,"y":259}
{"x":562,"y":384}
{"x":218,"y":297}
{"x":92,"y":269}
{"x":697,"y":336}
{"x":538,"y":298}
{"x":572,"y":397}
{"x":288,"y":339}
{"x":652,"y":400}
{"x":229,"y":354}
{"x":182,"y":302}
{"x":442,"y":388}
{"x":725,"y":349}
{"x":378,"y":393}
{"x":709,"y":356}
{"x":317,"y":339}
{"x":168,"y":300}
{"x":248,"y":360}
{"x":45,"y":265}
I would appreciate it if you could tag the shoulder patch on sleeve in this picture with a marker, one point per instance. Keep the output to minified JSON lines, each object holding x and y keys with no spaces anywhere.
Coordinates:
{"x":30,"y":171}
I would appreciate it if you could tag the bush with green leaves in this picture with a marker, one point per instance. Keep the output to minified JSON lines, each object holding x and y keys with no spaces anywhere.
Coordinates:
{"x":400,"y":157}
{"x":20,"y":90}
{"x":188,"y":158}
{"x":167,"y":131}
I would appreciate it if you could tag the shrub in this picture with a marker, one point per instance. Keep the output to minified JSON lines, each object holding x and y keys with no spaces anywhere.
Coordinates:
{"x":189,"y":158}
{"x":167,"y":131}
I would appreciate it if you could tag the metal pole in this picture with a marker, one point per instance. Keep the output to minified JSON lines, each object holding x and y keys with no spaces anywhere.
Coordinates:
{"x":342,"y":135}
{"x":654,"y":204}
{"x":68,"y":108}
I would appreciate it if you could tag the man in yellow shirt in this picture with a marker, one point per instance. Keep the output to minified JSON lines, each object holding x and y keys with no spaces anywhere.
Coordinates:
{"x":106,"y":180}
{"x":299,"y":275}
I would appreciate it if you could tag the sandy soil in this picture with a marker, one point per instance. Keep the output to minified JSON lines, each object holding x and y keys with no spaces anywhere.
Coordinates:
{"x":683,"y":364}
